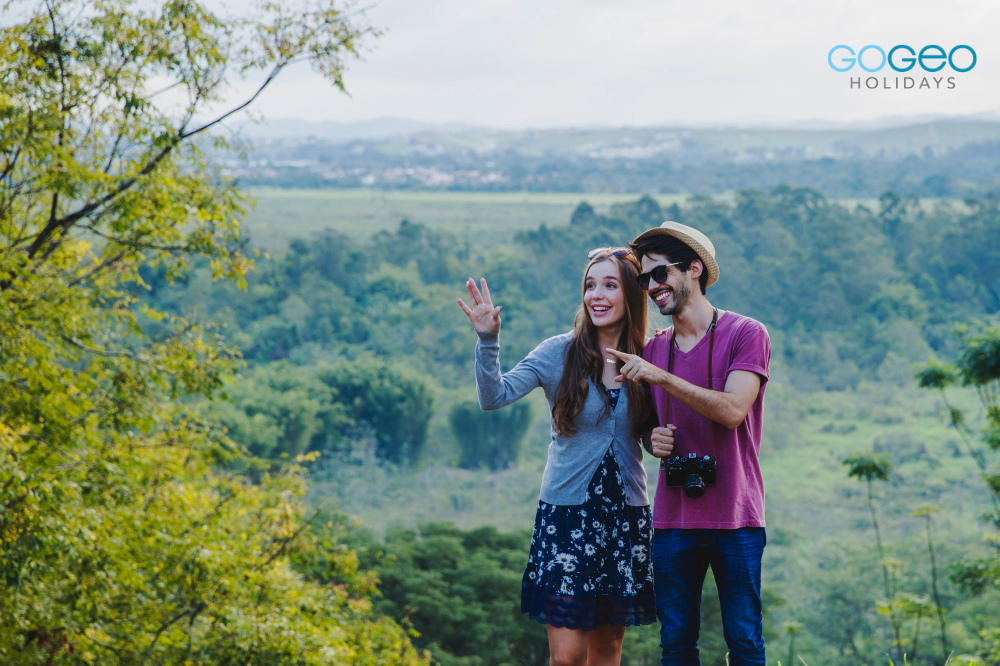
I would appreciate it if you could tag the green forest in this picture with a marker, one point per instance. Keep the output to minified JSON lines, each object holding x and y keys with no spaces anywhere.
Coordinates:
{"x":215,"y":450}
{"x":354,"y":350}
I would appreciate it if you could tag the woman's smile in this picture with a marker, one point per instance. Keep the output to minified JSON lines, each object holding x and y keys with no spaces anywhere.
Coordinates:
{"x":600,"y":310}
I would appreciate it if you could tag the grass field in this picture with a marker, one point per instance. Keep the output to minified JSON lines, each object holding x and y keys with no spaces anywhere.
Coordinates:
{"x":283,"y":214}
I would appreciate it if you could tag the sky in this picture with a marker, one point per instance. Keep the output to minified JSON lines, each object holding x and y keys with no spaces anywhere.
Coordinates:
{"x":551,"y":63}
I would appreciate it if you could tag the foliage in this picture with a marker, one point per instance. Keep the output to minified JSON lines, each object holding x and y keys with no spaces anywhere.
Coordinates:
{"x":978,"y":365}
{"x":935,"y":375}
{"x":392,"y":294}
{"x":890,"y":297}
{"x":490,"y":439}
{"x":927,"y":511}
{"x":392,"y":402}
{"x":281,"y":409}
{"x":125,"y":540}
{"x":458,"y":590}
{"x":871,"y":467}
{"x":147,"y":555}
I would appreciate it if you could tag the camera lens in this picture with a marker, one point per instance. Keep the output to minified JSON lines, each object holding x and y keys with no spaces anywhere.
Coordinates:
{"x":694,"y":486}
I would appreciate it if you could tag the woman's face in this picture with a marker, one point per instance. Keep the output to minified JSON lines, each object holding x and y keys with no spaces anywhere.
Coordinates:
{"x":602,"y":294}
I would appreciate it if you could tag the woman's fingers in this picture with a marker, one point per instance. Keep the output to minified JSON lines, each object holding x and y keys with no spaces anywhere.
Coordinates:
{"x":486,"y":291}
{"x":474,"y":295}
{"x":479,"y":297}
{"x":465,"y":308}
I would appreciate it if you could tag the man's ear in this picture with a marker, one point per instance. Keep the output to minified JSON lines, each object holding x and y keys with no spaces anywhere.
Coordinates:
{"x":696,"y":269}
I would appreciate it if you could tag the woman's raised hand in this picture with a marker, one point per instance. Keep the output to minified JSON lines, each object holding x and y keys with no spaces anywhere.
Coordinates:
{"x":484,"y":317}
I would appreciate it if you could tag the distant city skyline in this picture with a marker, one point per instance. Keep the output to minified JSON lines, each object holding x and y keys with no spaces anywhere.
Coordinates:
{"x":517,"y":64}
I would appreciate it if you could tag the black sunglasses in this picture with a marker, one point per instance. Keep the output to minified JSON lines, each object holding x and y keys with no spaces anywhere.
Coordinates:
{"x":658,"y":273}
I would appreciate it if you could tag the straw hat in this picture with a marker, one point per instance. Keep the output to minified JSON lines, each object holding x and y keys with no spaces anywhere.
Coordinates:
{"x":693,"y":238}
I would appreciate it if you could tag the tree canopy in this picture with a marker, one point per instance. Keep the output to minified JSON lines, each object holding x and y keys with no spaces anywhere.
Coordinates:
{"x":130,"y":531}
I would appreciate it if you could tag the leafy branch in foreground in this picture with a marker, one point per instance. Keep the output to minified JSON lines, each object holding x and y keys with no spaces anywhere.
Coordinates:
{"x":126,"y":536}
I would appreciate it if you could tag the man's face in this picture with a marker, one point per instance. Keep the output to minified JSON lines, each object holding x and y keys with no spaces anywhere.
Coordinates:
{"x":672,"y":295}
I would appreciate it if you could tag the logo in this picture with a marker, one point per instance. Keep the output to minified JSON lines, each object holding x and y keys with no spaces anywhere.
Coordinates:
{"x":903,"y":58}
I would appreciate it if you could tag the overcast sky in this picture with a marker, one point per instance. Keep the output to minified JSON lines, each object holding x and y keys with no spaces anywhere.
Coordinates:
{"x":545,"y":63}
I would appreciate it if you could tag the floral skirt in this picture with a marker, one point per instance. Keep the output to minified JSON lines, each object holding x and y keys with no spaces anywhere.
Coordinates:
{"x":589,"y":563}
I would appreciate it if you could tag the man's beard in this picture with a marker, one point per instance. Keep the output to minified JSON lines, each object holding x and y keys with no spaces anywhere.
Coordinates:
{"x":678,"y":299}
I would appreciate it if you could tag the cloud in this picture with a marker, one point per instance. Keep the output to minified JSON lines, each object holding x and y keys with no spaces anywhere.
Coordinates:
{"x":516,"y":63}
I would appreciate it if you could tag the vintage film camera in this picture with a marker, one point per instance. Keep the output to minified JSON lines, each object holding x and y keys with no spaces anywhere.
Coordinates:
{"x":691,"y":472}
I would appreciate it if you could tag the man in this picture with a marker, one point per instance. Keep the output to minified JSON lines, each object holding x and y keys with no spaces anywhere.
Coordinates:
{"x":707,"y":373}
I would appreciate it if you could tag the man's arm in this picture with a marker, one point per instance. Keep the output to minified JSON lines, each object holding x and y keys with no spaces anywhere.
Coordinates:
{"x":727,"y":407}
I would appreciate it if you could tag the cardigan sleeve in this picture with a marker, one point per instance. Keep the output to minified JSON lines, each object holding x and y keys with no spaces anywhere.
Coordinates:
{"x":496,"y":390}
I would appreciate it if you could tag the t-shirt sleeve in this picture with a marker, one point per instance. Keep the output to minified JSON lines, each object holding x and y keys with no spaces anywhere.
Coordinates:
{"x":648,"y":352}
{"x":655,"y":346}
{"x":752,"y":350}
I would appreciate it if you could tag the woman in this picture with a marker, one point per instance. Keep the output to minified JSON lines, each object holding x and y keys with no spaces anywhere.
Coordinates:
{"x":589,"y":575}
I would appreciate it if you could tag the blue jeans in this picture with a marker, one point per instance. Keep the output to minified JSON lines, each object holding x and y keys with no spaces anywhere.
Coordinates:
{"x":680,"y":561}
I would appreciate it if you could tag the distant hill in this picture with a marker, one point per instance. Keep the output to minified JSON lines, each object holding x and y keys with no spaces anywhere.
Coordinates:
{"x":943,"y":157}
{"x":380,"y":128}
{"x":893,"y":136}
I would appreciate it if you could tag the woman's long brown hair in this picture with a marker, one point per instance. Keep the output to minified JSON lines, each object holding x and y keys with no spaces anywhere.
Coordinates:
{"x":585,"y":358}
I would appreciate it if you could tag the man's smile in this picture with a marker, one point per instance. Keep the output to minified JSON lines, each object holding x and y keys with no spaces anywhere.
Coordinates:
{"x":661,"y":295}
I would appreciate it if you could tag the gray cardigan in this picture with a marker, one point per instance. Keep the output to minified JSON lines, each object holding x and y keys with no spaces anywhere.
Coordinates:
{"x":572,"y":460}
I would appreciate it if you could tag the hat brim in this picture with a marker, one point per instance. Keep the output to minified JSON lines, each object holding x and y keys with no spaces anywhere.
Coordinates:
{"x":707,"y":260}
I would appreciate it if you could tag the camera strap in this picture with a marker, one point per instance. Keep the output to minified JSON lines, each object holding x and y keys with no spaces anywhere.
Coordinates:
{"x":670,"y":369}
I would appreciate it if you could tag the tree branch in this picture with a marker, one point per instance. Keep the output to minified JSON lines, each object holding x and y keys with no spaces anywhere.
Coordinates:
{"x":270,"y":77}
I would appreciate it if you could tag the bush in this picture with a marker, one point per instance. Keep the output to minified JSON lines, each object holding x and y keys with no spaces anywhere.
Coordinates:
{"x":489,"y":439}
{"x":458,"y":589}
{"x":392,"y":403}
{"x":283,"y":409}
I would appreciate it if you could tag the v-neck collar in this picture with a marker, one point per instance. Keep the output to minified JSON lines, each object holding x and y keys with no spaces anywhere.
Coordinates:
{"x":702,"y":341}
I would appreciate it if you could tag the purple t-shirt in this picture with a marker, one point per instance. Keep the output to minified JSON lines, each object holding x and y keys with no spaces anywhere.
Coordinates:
{"x":737,"y":498}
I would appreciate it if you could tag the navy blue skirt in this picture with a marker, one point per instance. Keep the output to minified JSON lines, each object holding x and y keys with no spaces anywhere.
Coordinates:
{"x":589,"y":564}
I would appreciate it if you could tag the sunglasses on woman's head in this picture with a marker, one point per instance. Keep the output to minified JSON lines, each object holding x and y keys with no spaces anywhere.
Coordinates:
{"x":658,"y":273}
{"x":620,"y":252}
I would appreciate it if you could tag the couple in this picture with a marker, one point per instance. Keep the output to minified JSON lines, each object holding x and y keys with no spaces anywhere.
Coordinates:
{"x":599,"y":561}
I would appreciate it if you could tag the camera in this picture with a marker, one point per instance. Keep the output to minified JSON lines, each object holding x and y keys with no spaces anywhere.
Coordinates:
{"x":692,"y":472}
